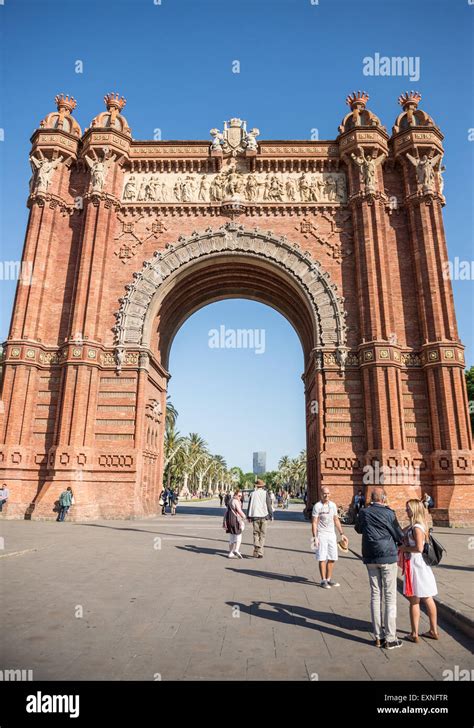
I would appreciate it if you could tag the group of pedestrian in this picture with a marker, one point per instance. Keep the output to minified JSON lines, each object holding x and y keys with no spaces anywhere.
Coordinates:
{"x":385,"y":546}
{"x":169,"y":499}
{"x":259,"y":512}
{"x":283,"y":499}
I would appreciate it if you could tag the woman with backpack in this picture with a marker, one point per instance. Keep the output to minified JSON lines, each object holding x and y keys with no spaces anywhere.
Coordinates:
{"x":419,"y":584}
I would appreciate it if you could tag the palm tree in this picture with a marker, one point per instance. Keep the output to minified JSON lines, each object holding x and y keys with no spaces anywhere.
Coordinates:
{"x":195,"y":449}
{"x":173,"y":455}
{"x":171,"y":414}
{"x":284,"y":466}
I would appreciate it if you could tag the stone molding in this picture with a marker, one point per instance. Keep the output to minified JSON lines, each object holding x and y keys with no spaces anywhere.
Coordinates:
{"x":327,"y":306}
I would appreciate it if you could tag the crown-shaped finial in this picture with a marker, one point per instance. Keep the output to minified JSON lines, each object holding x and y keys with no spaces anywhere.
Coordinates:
{"x":409,"y":99}
{"x":66,"y":104}
{"x":114,"y":101}
{"x":357,"y":100}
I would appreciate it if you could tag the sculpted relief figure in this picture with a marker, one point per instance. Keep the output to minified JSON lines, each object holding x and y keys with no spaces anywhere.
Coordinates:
{"x":331,"y":188}
{"x":291,"y":189}
{"x":217,"y":188}
{"x":425,"y":173}
{"x":188,"y":189}
{"x":177,"y":189}
{"x":42,"y":173}
{"x":368,"y":165}
{"x":234,"y":182}
{"x":252,"y":188}
{"x":275,"y":189}
{"x":305,"y":187}
{"x":204,"y":188}
{"x":317,"y":187}
{"x":130,"y":189}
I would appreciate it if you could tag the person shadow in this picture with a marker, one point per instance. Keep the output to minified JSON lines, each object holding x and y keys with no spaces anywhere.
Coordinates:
{"x":190,"y":548}
{"x":328,"y":622}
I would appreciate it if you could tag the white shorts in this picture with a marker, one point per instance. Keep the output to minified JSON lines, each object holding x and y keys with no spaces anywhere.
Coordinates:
{"x":327,"y":550}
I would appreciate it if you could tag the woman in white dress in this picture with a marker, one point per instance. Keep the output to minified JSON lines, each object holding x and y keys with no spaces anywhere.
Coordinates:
{"x":419,"y":584}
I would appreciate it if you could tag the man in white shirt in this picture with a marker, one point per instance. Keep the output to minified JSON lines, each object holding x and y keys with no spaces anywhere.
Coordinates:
{"x":323,"y":524}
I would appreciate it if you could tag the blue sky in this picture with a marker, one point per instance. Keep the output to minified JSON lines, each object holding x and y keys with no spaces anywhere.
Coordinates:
{"x":173,"y":63}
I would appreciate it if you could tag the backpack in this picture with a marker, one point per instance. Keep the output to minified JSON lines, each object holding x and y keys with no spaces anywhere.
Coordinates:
{"x":433,"y":551}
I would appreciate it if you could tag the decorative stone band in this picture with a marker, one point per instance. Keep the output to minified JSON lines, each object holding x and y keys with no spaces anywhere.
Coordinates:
{"x":53,"y":201}
{"x":381,"y":353}
{"x":434,"y":354}
{"x":76,"y":353}
{"x":327,"y":307}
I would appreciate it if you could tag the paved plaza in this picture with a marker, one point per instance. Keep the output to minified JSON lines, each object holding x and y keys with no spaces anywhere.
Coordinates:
{"x":158,"y":598}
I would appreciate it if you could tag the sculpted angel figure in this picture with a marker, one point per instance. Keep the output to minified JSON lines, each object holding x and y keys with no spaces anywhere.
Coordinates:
{"x":217,"y":139}
{"x":42,"y":173}
{"x":439,"y":175}
{"x":252,"y":139}
{"x":368,"y":165}
{"x":425,"y":173}
{"x":99,"y":169}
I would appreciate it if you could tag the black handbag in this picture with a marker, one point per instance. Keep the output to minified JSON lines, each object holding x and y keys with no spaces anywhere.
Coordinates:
{"x":433,"y":551}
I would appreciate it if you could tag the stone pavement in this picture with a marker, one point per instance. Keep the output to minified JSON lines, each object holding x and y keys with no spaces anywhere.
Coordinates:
{"x":141,"y":600}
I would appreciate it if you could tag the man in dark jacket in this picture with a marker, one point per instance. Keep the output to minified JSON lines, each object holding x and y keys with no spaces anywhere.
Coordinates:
{"x":381,"y":534}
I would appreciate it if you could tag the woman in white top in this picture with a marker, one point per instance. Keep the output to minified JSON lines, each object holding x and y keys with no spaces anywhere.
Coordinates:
{"x":419,"y":583}
{"x":234,"y":524}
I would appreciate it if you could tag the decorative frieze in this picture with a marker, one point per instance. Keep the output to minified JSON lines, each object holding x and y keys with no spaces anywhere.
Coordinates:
{"x":252,"y":187}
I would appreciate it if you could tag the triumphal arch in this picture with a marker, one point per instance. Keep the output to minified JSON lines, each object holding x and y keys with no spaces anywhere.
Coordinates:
{"x":127,"y":238}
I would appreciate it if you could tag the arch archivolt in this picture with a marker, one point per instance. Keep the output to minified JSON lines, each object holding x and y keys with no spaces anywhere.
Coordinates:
{"x":295,"y":266}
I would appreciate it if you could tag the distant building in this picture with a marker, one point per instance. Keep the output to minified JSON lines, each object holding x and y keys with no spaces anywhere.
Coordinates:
{"x":259,"y":463}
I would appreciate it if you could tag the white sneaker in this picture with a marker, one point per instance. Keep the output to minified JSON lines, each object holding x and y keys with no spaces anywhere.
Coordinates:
{"x":231,"y":555}
{"x":238,"y":554}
